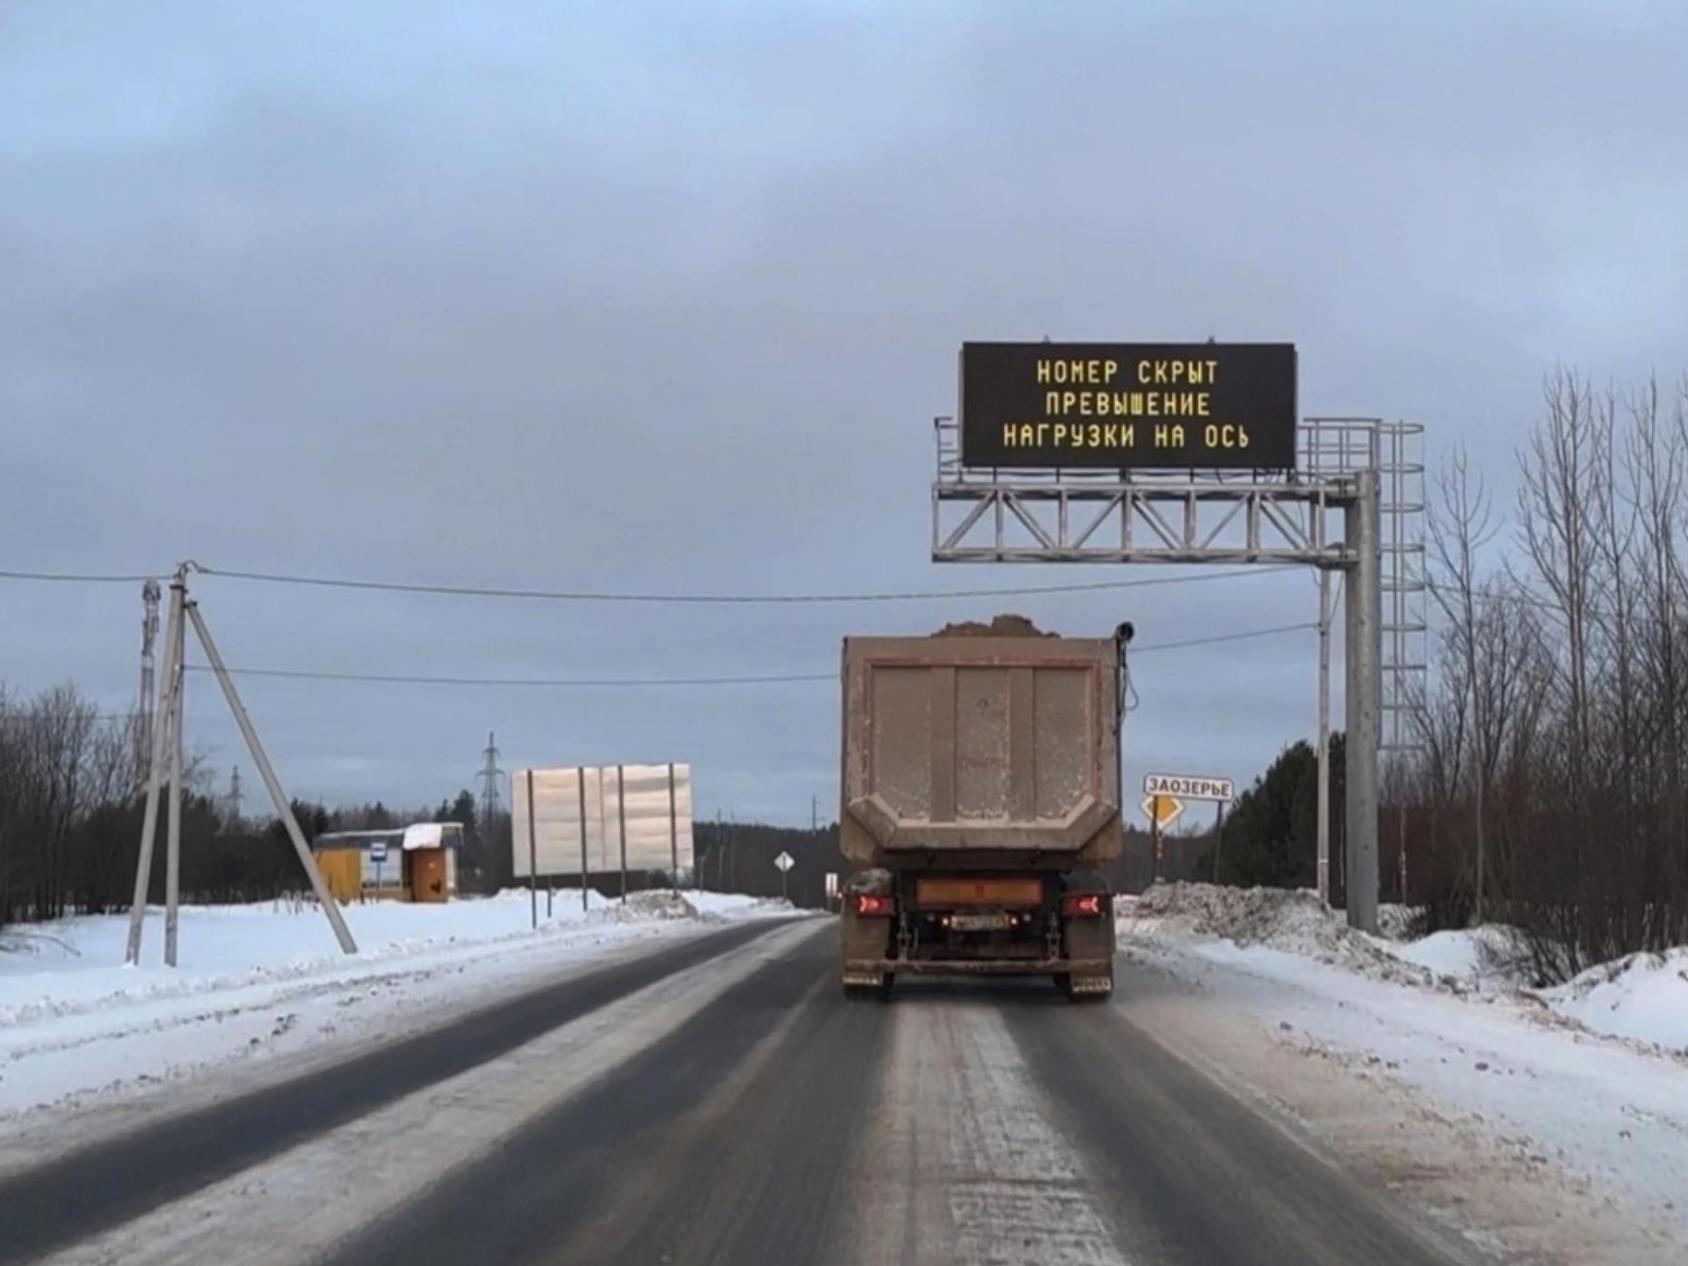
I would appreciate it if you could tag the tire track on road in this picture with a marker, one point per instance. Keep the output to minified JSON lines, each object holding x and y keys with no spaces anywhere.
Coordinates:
{"x":93,"y":1189}
{"x":702,"y":1148}
{"x":1197,"y":1177}
{"x":967,"y":1165}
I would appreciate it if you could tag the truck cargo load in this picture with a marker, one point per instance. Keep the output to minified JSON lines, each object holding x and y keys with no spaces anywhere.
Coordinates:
{"x":980,"y":789}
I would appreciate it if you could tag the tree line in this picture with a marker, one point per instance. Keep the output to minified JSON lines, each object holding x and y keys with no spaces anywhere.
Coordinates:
{"x":1549,"y":790}
{"x":72,"y":795}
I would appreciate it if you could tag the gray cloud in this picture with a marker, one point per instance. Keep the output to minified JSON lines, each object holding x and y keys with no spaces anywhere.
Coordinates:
{"x":666,"y":300}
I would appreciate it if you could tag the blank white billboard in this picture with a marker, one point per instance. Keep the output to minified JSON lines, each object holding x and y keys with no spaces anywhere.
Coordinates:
{"x":623,"y":805}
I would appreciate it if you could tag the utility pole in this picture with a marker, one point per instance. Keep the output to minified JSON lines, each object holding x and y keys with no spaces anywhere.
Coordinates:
{"x":149,"y":634}
{"x":155,"y":777}
{"x":173,"y":837}
{"x":814,"y":814}
{"x":489,"y":776}
{"x":183,"y":610}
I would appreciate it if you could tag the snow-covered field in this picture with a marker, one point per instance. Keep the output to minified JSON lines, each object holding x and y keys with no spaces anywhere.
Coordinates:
{"x":260,"y":981}
{"x":1544,"y":1119}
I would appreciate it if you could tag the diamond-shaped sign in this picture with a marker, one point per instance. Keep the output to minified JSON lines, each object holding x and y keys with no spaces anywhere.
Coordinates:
{"x":1162,"y":810}
{"x":785,"y":861}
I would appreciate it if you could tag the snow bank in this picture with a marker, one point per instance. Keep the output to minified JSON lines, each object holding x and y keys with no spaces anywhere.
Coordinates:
{"x":268,"y":980}
{"x":1643,"y":996}
{"x":76,"y":965}
{"x":1485,"y":958}
{"x":1294,"y":921}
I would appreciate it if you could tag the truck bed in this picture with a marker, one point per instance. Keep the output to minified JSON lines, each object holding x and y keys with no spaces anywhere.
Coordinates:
{"x":980,"y":752}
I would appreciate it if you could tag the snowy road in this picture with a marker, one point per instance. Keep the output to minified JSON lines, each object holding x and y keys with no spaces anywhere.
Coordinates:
{"x":717,"y":1101}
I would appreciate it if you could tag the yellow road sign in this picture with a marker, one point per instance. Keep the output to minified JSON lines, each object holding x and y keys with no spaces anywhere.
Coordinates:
{"x":1162,"y":810}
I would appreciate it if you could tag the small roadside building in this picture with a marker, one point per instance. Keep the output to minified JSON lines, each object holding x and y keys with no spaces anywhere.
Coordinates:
{"x":413,"y":863}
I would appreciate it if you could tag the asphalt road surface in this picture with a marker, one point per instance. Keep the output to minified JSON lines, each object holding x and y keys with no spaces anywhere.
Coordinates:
{"x":720,"y":1101}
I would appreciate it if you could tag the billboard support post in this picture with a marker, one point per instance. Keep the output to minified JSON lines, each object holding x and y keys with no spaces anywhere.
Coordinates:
{"x":621,"y":811}
{"x":673,"y":832}
{"x":533,"y":855}
{"x":583,"y":867}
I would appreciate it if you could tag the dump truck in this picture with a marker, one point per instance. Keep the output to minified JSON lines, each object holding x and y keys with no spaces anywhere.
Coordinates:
{"x":981,"y":792}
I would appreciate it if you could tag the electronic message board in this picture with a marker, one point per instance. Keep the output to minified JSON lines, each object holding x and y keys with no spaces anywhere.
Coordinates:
{"x":1122,"y":405}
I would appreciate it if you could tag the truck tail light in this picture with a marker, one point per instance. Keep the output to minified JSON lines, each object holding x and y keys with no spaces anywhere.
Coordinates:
{"x":1084,"y":905}
{"x":873,"y":906}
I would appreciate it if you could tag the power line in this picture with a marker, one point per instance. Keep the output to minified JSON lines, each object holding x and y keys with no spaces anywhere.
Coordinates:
{"x":406,"y":679}
{"x":725,"y":599}
{"x":751,"y":679}
{"x":1225,"y":637}
{"x":83,"y":578}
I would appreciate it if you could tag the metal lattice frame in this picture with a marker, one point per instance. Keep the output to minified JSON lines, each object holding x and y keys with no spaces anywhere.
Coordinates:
{"x":1039,"y":515}
{"x":1367,"y":470}
{"x":1333,"y":447}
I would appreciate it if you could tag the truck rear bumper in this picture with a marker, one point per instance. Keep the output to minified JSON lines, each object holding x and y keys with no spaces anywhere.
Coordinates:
{"x":873,"y":968}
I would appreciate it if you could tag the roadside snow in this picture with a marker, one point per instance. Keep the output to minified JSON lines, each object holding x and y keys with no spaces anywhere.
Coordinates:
{"x":256,"y":981}
{"x":1292,"y":920}
{"x":1485,"y":958}
{"x":1643,"y":996}
{"x":1508,"y":1101}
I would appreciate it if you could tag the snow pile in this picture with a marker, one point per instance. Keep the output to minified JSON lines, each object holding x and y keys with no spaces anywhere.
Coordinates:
{"x":657,"y":903}
{"x":1487,"y":959}
{"x":1642,"y":996}
{"x":711,"y":907}
{"x":1294,"y":921}
{"x":570,"y":897}
{"x":735,"y":905}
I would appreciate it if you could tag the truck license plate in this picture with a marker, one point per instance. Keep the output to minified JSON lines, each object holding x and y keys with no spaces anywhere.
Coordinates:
{"x":980,"y":922}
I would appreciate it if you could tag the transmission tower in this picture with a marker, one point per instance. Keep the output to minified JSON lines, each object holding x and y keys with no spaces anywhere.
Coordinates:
{"x":489,"y":776}
{"x":234,"y":796}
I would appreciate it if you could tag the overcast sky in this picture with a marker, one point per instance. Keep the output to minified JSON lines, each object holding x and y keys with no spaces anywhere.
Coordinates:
{"x":639,"y":297}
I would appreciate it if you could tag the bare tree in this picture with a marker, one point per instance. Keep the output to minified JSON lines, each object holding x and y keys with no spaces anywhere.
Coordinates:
{"x":1461,"y":524}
